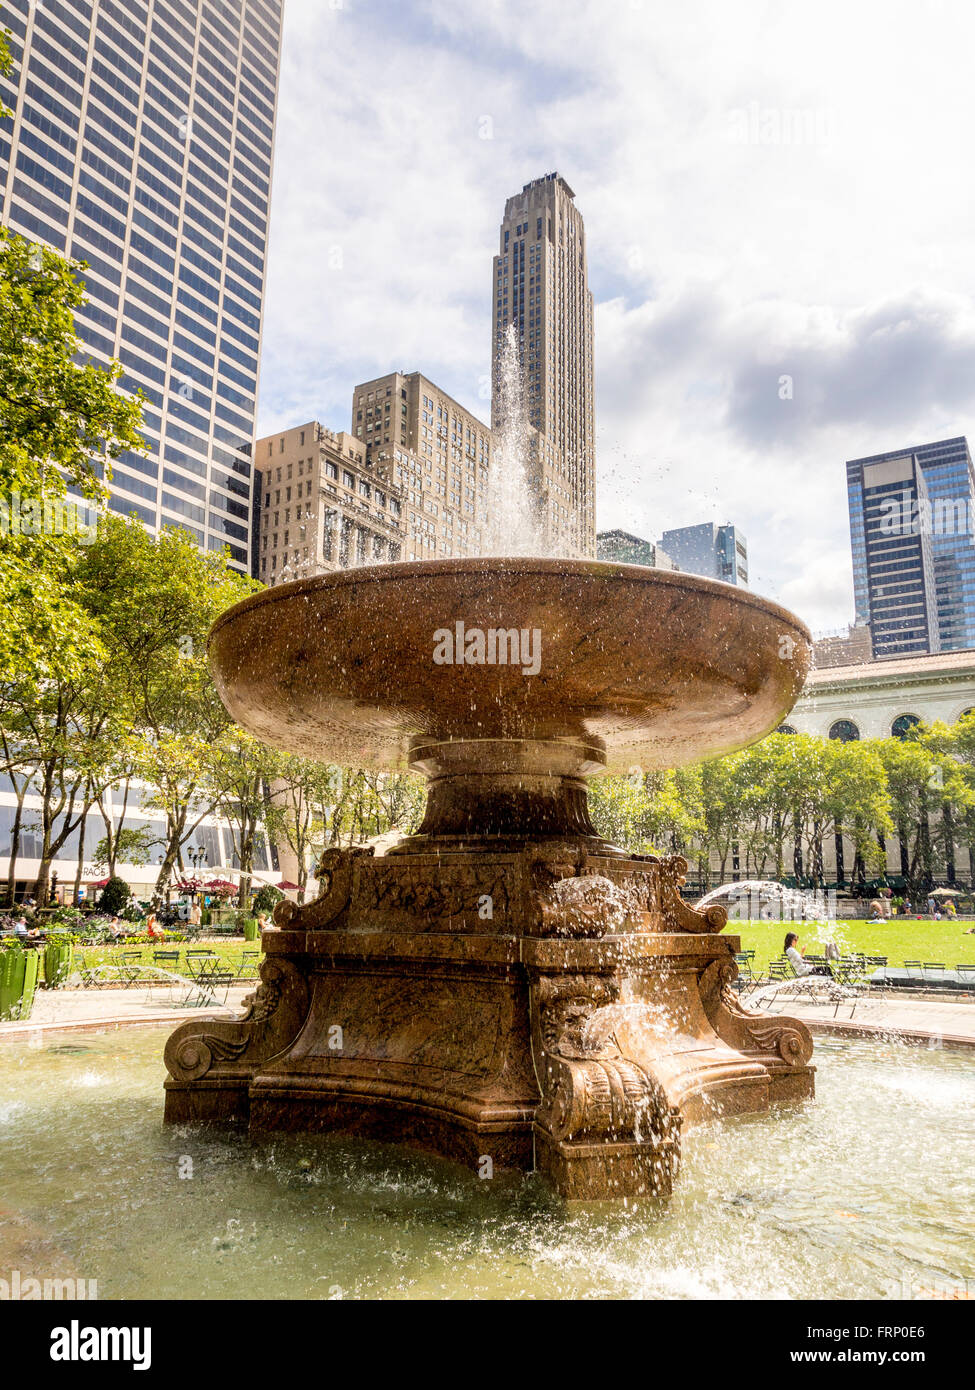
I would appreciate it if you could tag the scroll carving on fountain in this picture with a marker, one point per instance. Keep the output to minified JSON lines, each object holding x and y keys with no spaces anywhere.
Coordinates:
{"x":504,"y":983}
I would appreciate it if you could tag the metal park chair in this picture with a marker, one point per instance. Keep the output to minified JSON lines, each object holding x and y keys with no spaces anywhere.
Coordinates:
{"x":127,"y":966}
{"x":91,"y":976}
{"x":170,"y":959}
{"x":248,"y":967}
{"x":966,"y":973}
{"x":206,"y":985}
{"x":779,"y":972}
{"x":198,"y":960}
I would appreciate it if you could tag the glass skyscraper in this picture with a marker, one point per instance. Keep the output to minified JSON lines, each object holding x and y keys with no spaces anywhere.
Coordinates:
{"x":912,"y":514}
{"x":142,"y":143}
{"x":716,"y":552}
{"x":950,"y":481}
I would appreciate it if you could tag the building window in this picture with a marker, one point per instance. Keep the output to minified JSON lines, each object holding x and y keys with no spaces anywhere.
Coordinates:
{"x":903,"y":725}
{"x":845,"y":731}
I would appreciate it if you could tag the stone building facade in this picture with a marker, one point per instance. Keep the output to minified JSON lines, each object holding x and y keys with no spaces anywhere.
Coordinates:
{"x":433,"y":449}
{"x":324,"y":505}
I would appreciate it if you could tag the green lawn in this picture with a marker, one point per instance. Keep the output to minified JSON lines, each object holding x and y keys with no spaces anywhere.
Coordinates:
{"x":899,"y":940}
{"x":229,"y":952}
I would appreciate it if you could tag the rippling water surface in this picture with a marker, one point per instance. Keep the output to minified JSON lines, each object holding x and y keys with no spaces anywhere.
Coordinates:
{"x":868,"y":1191}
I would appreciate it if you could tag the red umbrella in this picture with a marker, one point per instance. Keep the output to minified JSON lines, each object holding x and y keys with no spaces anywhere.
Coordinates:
{"x":288,"y":887}
{"x":222,"y":887}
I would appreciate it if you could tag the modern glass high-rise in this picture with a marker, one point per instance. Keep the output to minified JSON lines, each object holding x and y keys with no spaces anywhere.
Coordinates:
{"x":716,"y":552}
{"x":541,"y":288}
{"x":142,"y":144}
{"x":925,"y":510}
{"x":893,"y":565}
{"x":950,"y":480}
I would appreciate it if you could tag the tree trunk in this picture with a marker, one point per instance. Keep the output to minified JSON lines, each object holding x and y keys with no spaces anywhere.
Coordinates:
{"x":80,"y":867}
{"x":15,"y":843}
{"x":903,"y":845}
{"x":174,"y":840}
{"x":949,"y":834}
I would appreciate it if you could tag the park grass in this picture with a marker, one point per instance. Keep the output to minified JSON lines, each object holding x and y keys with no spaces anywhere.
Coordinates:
{"x":228,"y":951}
{"x":900,"y":939}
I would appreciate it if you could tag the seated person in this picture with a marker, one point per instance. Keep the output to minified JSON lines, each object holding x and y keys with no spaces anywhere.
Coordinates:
{"x":794,"y":956}
{"x":876,"y":912}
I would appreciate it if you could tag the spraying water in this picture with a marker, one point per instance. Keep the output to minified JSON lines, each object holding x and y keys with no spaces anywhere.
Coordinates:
{"x":760,"y":895}
{"x":764,"y":900}
{"x":513,"y":526}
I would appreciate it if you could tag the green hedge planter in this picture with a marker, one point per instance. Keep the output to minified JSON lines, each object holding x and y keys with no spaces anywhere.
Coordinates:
{"x":250,"y":929}
{"x":58,"y":963}
{"x":18,"y":980}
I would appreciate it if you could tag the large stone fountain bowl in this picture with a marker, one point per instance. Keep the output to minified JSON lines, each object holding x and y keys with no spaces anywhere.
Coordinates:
{"x":637,"y":667}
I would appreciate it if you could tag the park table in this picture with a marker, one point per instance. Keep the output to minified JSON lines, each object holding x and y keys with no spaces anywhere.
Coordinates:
{"x":896,"y":977}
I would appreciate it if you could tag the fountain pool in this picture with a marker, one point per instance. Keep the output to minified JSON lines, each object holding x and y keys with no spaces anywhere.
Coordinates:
{"x":868,"y":1192}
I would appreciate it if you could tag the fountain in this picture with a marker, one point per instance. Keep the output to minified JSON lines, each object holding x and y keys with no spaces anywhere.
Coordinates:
{"x":504,"y":988}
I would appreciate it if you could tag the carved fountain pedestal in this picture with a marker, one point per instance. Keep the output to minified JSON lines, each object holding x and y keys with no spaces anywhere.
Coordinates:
{"x":503,"y":986}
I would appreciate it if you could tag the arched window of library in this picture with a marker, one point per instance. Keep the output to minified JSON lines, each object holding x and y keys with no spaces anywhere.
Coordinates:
{"x":785,"y":729}
{"x":845,"y":730}
{"x":903,"y":725}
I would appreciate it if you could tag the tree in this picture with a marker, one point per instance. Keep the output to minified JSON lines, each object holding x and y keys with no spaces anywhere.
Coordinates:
{"x":129,"y":846}
{"x":266,"y":898}
{"x":368,"y":804}
{"x":114,"y":896}
{"x":829,"y":788}
{"x":923,"y":784}
{"x":156,"y":600}
{"x":238,"y":774}
{"x":65,"y":729}
{"x":295,"y":812}
{"x":956,"y":741}
{"x":62,"y":421}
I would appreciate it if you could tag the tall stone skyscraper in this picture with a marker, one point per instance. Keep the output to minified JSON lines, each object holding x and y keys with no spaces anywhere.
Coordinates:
{"x":141,"y":142}
{"x":541,"y":291}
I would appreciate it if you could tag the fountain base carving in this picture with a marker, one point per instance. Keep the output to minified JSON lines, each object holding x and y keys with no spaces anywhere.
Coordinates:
{"x":544,"y":1007}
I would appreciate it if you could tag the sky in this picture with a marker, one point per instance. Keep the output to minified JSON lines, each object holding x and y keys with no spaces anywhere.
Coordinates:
{"x":779,"y":221}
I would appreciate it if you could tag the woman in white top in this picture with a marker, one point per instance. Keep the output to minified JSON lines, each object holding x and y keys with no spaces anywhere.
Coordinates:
{"x":794,"y":956}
